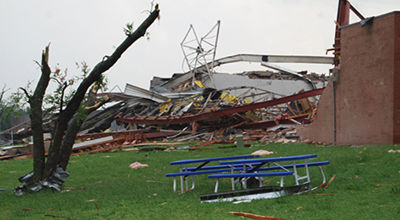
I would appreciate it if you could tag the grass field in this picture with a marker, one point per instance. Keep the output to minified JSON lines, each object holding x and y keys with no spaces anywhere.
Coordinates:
{"x":119,"y":192}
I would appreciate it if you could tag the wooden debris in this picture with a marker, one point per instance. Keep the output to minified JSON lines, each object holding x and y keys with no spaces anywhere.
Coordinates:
{"x":387,"y":184}
{"x":94,"y":202}
{"x":327,"y":183}
{"x":254,"y":216}
{"x":214,"y":141}
{"x":219,"y":147}
{"x":159,"y":144}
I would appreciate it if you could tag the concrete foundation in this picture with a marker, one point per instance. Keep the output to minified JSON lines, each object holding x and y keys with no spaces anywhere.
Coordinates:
{"x":368,"y":88}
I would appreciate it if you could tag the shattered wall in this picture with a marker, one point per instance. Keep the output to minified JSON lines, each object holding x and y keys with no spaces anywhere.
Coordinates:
{"x":368,"y":90}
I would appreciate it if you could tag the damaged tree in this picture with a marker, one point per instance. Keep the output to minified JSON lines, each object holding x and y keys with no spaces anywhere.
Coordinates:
{"x":70,"y":118}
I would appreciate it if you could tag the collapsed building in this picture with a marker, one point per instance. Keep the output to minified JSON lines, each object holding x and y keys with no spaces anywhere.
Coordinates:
{"x":199,"y":105}
{"x":358,"y":103}
{"x":204,"y":100}
{"x":195,"y":96}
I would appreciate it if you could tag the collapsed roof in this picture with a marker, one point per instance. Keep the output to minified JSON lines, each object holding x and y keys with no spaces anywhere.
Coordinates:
{"x":203,"y":101}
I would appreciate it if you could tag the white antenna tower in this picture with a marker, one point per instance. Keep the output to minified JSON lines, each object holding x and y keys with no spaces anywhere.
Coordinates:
{"x":200,"y":54}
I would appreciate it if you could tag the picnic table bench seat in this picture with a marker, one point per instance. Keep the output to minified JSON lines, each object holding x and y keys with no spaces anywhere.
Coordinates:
{"x":212,"y":167}
{"x":236,"y":175}
{"x":298,"y":165}
{"x":197,"y":170}
{"x":238,"y":167}
{"x":203,"y":160}
{"x":271,"y":159}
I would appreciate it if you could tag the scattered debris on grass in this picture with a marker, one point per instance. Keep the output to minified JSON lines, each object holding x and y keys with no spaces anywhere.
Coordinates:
{"x":241,"y":201}
{"x":325,"y":185}
{"x":387,"y":184}
{"x":94,"y":202}
{"x":262,"y":152}
{"x":55,"y":216}
{"x":54,"y":182}
{"x":137,"y":165}
{"x":254,"y":216}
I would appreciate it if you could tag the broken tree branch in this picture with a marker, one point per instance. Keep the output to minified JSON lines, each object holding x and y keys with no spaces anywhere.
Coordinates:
{"x":26,"y":93}
{"x":94,"y":75}
{"x":62,"y":95}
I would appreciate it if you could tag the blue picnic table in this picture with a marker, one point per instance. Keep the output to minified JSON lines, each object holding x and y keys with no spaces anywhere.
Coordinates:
{"x":255,"y":168}
{"x":185,"y":171}
{"x":244,"y":168}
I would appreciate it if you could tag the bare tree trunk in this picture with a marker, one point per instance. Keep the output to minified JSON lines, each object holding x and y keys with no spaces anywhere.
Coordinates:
{"x":36,"y":101}
{"x":74,"y":127}
{"x":73,"y":105}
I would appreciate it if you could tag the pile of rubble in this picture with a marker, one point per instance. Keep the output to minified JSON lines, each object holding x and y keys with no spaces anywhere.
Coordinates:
{"x":202,"y":104}
{"x":260,"y":106}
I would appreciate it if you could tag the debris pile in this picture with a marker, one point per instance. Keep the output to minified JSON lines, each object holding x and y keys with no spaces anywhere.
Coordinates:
{"x":199,"y":114}
{"x":202,"y":104}
{"x":55,"y":181}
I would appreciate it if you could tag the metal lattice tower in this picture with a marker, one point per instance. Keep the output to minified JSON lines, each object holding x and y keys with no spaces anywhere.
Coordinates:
{"x":200,"y":53}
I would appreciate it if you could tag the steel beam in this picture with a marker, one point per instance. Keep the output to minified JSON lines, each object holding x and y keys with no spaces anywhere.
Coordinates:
{"x":135,"y":91}
{"x":252,"y":58}
{"x":175,"y":119}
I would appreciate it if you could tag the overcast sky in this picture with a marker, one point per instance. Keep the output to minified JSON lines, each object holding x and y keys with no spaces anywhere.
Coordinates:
{"x":88,"y":30}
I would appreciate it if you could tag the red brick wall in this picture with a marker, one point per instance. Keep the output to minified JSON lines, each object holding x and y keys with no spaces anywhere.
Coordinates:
{"x":367,"y":97}
{"x":396,"y":81}
{"x":321,"y":129}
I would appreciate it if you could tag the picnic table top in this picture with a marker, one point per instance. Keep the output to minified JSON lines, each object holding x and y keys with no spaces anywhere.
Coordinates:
{"x":212,"y":159}
{"x":233,"y":175}
{"x":271,"y":159}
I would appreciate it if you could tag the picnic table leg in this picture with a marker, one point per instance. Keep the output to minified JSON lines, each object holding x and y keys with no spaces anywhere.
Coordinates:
{"x":193,"y":183}
{"x":323,"y":175}
{"x":297,"y":177}
{"x":244,"y":183}
{"x":216,"y":185}
{"x":260,"y":181}
{"x":295,"y":173}
{"x":186,"y":183}
{"x":174,"y":185}
{"x":307,"y":171}
{"x":186,"y":180}
{"x":232,"y":179}
{"x":181,"y":178}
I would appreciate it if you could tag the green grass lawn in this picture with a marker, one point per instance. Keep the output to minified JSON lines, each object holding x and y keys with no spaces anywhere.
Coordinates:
{"x":124,"y":193}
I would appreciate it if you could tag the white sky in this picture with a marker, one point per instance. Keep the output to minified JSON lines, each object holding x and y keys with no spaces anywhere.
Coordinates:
{"x":88,"y":30}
